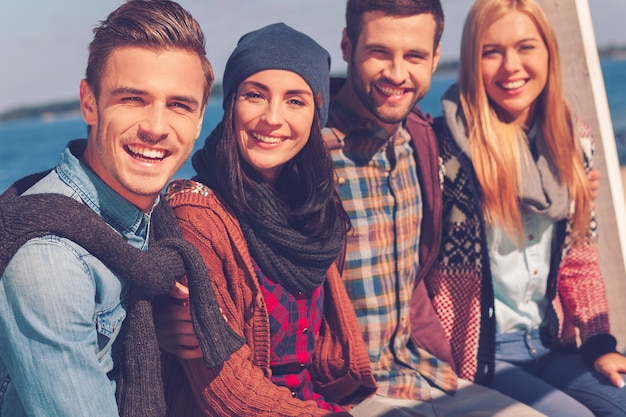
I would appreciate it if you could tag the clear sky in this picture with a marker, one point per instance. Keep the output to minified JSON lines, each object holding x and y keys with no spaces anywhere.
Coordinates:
{"x":43,"y":43}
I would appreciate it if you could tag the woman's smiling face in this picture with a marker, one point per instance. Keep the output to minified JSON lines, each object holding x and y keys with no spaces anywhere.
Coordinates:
{"x":274,"y":112}
{"x":514,"y":66}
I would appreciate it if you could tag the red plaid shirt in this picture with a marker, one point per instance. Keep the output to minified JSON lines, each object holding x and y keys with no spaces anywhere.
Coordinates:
{"x":295,"y":321}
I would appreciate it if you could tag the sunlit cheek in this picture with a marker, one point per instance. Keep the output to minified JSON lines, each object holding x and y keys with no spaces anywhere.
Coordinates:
{"x":238,"y":112}
{"x":243,"y":142}
{"x":371,"y":67}
{"x":199,"y":128}
{"x":122,"y":123}
{"x":244,"y":119}
{"x":189,"y":130}
{"x":489,"y":75}
{"x":112,"y":134}
{"x":489,"y":67}
{"x":187,"y":126}
{"x":305,"y":125}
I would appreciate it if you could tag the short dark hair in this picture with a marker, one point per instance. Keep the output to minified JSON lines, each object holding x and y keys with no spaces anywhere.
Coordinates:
{"x":356,"y":8}
{"x":152,"y":24}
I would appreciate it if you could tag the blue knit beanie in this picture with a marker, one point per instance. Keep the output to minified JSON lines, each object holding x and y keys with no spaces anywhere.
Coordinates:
{"x":278,"y":46}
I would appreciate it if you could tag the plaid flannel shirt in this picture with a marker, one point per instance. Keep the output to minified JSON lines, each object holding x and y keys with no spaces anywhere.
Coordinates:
{"x":378,"y":184}
{"x":295,"y":321}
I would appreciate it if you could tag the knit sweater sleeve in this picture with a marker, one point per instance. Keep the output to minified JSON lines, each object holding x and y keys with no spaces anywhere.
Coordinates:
{"x":340,"y":369}
{"x":581,"y":286}
{"x":241,"y":386}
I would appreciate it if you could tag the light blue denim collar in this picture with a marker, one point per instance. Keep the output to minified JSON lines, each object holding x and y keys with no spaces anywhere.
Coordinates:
{"x":123,"y":216}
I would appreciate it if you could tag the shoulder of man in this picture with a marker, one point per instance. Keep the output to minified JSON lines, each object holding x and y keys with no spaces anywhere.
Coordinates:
{"x":24,"y":217}
{"x":333,"y":138}
{"x":420,"y":127}
{"x":419,"y":123}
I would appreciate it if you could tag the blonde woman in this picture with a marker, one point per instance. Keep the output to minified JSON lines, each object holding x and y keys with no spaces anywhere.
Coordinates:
{"x":517,"y":284}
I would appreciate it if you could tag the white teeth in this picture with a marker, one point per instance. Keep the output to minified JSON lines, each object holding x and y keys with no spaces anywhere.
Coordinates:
{"x":266,"y":139}
{"x":391,"y":91}
{"x":146,"y":153}
{"x":513,"y":84}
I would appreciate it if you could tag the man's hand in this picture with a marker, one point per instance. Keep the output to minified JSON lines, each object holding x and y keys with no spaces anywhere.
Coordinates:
{"x":594,"y":184}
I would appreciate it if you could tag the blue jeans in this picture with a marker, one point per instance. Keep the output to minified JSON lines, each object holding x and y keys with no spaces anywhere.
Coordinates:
{"x":470,"y":400}
{"x":555,"y":383}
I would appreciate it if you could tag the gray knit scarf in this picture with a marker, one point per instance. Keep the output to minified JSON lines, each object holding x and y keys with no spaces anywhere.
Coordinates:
{"x":297,"y":261}
{"x":540,"y":192}
{"x":152,"y":272}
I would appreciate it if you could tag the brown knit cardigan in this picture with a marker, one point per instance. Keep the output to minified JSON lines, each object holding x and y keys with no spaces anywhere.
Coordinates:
{"x":340,"y":366}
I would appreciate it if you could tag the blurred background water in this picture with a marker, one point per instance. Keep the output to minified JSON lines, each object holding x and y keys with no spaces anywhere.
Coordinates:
{"x":32,"y":145}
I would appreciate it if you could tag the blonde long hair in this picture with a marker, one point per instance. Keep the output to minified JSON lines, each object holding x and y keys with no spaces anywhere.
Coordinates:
{"x":495,"y":144}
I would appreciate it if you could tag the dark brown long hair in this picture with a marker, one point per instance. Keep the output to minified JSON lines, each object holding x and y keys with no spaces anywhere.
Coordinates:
{"x":312,"y":202}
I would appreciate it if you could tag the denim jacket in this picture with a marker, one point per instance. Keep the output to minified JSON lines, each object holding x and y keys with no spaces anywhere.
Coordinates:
{"x":61,"y":309}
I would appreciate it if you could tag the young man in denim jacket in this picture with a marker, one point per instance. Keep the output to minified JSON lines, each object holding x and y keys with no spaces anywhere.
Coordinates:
{"x":61,"y":308}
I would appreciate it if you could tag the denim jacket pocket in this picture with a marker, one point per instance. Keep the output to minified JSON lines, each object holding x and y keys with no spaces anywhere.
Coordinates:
{"x":10,"y":404}
{"x":108,"y":325}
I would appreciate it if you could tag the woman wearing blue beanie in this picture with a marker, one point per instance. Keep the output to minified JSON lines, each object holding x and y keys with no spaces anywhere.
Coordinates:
{"x":263,"y":212}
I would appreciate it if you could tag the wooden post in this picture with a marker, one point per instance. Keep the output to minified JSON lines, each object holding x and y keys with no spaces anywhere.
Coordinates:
{"x":584,"y":85}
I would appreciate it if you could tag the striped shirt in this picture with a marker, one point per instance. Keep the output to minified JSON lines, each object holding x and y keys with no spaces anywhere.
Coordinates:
{"x":378,"y":184}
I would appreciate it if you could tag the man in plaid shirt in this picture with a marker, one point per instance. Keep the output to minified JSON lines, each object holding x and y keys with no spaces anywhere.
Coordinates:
{"x":392,"y":50}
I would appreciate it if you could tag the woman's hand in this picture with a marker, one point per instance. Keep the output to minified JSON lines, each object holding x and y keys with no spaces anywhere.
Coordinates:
{"x":610,"y":365}
{"x":172,"y":321}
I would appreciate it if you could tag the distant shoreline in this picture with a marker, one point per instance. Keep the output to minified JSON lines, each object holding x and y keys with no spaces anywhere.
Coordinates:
{"x":64,"y":108}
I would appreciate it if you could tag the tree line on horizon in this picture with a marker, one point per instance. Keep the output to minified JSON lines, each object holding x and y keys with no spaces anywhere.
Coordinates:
{"x":68,"y":107}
